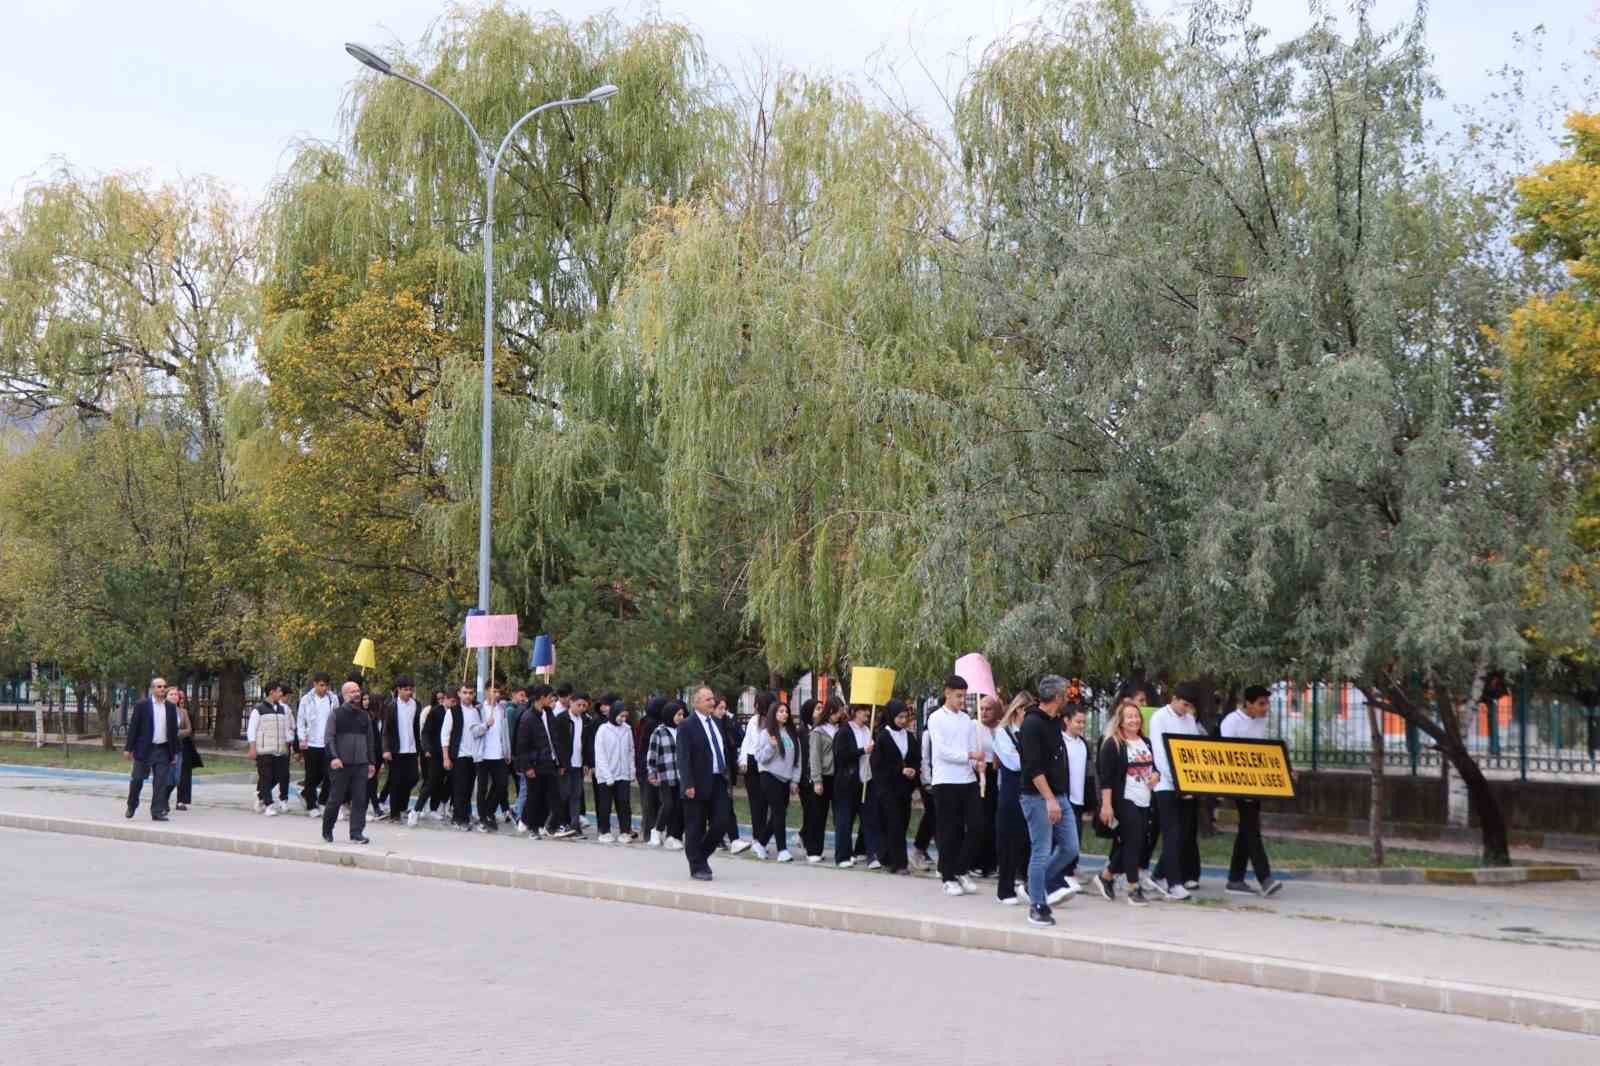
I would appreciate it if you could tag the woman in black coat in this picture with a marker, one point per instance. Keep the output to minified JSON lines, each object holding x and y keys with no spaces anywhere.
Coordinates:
{"x":896,"y":756}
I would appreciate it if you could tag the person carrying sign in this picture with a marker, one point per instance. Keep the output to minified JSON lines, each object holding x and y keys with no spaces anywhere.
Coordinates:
{"x":1249,"y":722}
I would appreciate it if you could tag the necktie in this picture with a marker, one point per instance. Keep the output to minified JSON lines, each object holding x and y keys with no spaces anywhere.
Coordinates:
{"x":716,"y":747}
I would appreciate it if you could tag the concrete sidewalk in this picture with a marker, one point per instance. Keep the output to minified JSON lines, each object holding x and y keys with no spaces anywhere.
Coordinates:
{"x":1525,"y":954}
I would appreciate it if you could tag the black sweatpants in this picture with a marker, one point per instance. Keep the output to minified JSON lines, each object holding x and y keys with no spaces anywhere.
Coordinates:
{"x":928,"y":824}
{"x":894,"y":816}
{"x":669,"y":818}
{"x":649,"y":806}
{"x":618,"y":794}
{"x":983,"y":849}
{"x":1179,"y":819}
{"x":349,"y":783}
{"x":756,"y":795}
{"x":775,"y":793}
{"x":402,"y":779}
{"x":435,"y":788}
{"x":491,"y":791}
{"x":271,"y":770}
{"x":1248,"y":846}
{"x":846,"y":811}
{"x":816,"y":827}
{"x":314,"y":789}
{"x":1127,"y":849}
{"x":959,"y":810}
{"x":463,"y":774}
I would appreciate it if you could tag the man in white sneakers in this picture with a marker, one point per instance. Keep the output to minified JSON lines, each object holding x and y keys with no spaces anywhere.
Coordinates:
{"x":1178,"y":815}
{"x":402,"y":721}
{"x":271,"y":734}
{"x":953,"y":737}
{"x":311,"y":723}
{"x":1249,"y":722}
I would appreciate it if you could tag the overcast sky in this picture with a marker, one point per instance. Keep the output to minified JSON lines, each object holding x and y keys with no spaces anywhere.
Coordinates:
{"x":185,"y":87}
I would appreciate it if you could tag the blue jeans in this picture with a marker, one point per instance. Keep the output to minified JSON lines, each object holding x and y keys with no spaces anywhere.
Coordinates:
{"x":1052,"y":847}
{"x":522,"y":796}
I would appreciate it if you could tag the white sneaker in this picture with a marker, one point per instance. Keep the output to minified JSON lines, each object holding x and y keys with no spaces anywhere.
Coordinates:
{"x":672,"y":844}
{"x":271,"y":812}
{"x":759,"y":850}
{"x":953,"y":888}
{"x":784,"y":856}
{"x":314,"y":812}
{"x":411,"y":818}
{"x":846,"y":864}
{"x":1151,"y":885}
{"x":1073,"y":887}
{"x":1058,"y":895}
{"x":874,"y":865}
{"x":1177,"y":892}
{"x":282,"y":807}
{"x":967,"y":886}
{"x":655,"y":838}
{"x":583,"y":820}
{"x":259,"y":805}
{"x":814,"y":859}
{"x":1191,"y":885}
{"x":740,"y":847}
{"x":606,"y":838}
{"x":1011,"y":901}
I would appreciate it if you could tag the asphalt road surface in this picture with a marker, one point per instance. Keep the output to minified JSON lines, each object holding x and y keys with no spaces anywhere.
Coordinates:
{"x":126,"y":953}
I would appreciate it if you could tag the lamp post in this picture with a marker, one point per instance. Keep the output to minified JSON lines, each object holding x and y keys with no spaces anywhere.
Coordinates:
{"x":488,"y":165}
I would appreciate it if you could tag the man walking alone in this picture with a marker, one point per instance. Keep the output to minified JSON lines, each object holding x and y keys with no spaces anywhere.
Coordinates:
{"x":350,"y":741}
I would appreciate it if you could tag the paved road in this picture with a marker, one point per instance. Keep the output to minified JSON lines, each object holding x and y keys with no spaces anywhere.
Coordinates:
{"x":129,"y":953}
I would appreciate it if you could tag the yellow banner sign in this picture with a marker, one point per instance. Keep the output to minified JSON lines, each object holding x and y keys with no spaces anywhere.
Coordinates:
{"x":1216,"y":767}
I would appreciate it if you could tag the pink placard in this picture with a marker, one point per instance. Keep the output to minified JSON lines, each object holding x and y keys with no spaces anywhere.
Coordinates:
{"x":492,"y":631}
{"x":974,"y":669}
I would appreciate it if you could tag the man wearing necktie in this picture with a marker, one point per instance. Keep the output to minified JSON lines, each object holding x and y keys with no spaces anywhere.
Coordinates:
{"x":703,"y":777}
{"x":152,"y":738}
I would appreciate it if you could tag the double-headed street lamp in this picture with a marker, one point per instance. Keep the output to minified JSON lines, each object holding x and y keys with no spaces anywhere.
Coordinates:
{"x":488,"y":165}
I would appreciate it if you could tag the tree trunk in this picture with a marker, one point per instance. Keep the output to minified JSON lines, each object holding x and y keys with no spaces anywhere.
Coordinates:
{"x":230,"y":703}
{"x":105,"y":704}
{"x":1375,"y":807}
{"x":1492,"y":820}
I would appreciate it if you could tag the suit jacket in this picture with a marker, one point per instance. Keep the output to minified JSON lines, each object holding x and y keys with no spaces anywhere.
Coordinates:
{"x":847,"y":759}
{"x":561,"y":731}
{"x":142,"y":729}
{"x":391,"y":726}
{"x":887,"y":762}
{"x":696,"y":764}
{"x":533,"y":743}
{"x":591,"y":728}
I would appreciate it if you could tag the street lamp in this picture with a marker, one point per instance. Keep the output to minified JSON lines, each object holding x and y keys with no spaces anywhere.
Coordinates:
{"x":488,"y":165}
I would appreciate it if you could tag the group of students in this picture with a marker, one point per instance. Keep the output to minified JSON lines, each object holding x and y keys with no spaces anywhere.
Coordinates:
{"x":1004,"y":793}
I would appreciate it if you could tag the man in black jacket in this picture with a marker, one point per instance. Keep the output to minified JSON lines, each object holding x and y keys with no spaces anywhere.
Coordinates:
{"x":536,"y":763}
{"x":351,"y":742}
{"x":402,"y":722}
{"x":703,"y":760}
{"x":152,"y":738}
{"x":566,"y":731}
{"x":1046,"y":802}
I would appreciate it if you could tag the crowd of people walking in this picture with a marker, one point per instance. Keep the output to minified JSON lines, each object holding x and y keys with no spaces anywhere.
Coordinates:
{"x":1003,"y":794}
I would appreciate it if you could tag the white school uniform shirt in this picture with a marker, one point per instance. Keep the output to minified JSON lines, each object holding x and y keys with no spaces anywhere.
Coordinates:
{"x":494,"y":734}
{"x":863,"y":734}
{"x":985,"y":742}
{"x":1005,"y":749}
{"x":751,"y":744}
{"x":1241,"y":725}
{"x":1163,"y":722}
{"x":406,"y":742}
{"x":472,"y":731}
{"x":575,"y":760}
{"x":1077,"y":767}
{"x":952,"y":736}
{"x":312,"y":719}
{"x":158,"y":718}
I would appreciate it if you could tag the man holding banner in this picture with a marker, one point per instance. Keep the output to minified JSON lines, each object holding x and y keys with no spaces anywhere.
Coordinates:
{"x":1249,"y":722}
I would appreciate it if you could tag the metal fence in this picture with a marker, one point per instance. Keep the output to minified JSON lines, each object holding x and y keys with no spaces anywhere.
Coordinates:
{"x":63,"y":711}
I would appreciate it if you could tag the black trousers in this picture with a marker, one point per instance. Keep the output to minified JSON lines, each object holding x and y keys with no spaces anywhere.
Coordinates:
{"x":186,"y":777}
{"x":730,"y":818}
{"x":816,"y":826}
{"x":314,"y":789}
{"x":929,"y":822}
{"x":348,"y":783}
{"x":1248,"y":846}
{"x":619,"y":795}
{"x":983,"y":851}
{"x":846,"y":811}
{"x":158,"y":769}
{"x":1179,"y":819}
{"x":1128,"y":846}
{"x":378,"y":787}
{"x":669,"y":816}
{"x":756,"y":795}
{"x":491,"y":790}
{"x":271,"y":770}
{"x":775,"y":797}
{"x":959,"y":810}
{"x":894,"y":816}
{"x":463,"y":774}
{"x":705,"y":823}
{"x":433,"y":791}
{"x":402,"y":779}
{"x":649,"y":805}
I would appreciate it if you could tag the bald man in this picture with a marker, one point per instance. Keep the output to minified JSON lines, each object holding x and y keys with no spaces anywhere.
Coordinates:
{"x":351,"y":742}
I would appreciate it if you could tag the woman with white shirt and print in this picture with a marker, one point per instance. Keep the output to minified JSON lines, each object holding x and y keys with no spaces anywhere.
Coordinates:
{"x":1127,"y":776}
{"x":613,"y":774}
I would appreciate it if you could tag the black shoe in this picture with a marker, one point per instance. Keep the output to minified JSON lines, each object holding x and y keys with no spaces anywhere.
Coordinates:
{"x":129,"y":812}
{"x":360,"y":840}
{"x":1039,"y":914}
{"x":701,"y":875}
{"x":1272,"y":887}
{"x":1108,"y":889}
{"x":1240,"y":888}
{"x":158,"y":817}
{"x":183,"y":806}
{"x":327,"y":838}
{"x":1137,"y":898}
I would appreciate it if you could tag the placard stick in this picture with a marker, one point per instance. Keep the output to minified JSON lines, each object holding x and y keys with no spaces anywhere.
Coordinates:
{"x":872,"y":731}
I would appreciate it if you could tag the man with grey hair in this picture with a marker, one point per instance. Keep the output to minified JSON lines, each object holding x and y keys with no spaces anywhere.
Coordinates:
{"x":1052,"y":836}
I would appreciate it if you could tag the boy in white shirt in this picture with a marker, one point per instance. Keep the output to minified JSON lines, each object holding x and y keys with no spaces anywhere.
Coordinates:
{"x":1178,"y":816}
{"x":953,"y":737}
{"x":1249,"y":722}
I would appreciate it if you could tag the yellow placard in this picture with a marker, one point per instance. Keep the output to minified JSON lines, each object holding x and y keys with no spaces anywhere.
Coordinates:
{"x":1217,"y":767}
{"x":871,"y":686}
{"x":366,"y":655}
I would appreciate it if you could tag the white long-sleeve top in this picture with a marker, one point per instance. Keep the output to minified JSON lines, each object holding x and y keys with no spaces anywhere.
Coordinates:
{"x":953,"y":737}
{"x":472,"y":731}
{"x":753,"y":732}
{"x":494,"y":734}
{"x":1241,"y":725}
{"x":1163,"y":722}
{"x":613,"y":753}
{"x":311,"y":720}
{"x":1005,"y":749}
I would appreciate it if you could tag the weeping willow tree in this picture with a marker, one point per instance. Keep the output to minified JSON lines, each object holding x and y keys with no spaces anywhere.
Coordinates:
{"x":798,"y":349}
{"x":396,"y":209}
{"x":1252,"y":304}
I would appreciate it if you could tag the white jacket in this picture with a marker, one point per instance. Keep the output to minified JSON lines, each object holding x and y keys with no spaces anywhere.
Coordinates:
{"x":613,"y":753}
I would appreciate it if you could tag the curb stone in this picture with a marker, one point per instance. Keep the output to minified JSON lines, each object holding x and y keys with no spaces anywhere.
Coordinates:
{"x":1485,"y":1002}
{"x":1430,"y":875}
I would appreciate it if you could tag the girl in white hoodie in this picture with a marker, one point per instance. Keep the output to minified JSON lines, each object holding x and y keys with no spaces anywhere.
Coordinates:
{"x":613,"y":774}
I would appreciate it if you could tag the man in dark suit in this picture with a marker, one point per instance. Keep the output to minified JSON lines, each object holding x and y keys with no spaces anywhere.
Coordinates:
{"x":152,"y":738}
{"x":703,"y":777}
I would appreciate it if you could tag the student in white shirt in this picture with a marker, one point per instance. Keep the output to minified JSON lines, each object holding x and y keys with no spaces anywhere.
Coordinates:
{"x":1080,"y":776}
{"x":1178,"y":816}
{"x":311,"y":721}
{"x":984,"y":858}
{"x":271,"y":736}
{"x":401,"y":723}
{"x":751,"y":741}
{"x":953,"y":737}
{"x":463,"y":767}
{"x":613,"y":774}
{"x":490,"y":760}
{"x":1249,"y":722}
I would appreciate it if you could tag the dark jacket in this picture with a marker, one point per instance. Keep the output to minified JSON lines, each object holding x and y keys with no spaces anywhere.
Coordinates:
{"x":591,"y":728}
{"x":391,"y":726}
{"x":428,"y":740}
{"x":1043,"y":750}
{"x":847,"y":759}
{"x":1111,"y":771}
{"x":696,"y":764}
{"x":561,"y":726}
{"x":732,"y":738}
{"x":456,"y":726}
{"x":532,"y":743}
{"x":142,"y":729}
{"x":887,"y":762}
{"x":352,"y":735}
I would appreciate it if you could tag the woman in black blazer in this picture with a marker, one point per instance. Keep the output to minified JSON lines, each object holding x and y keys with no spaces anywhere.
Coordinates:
{"x":848,"y":750}
{"x":895,"y":759}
